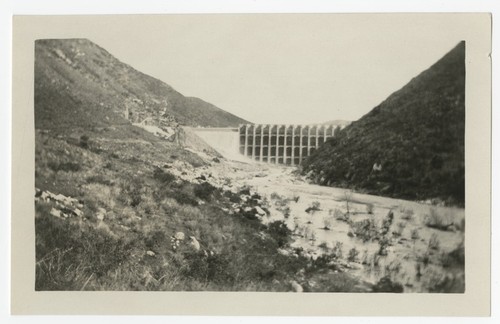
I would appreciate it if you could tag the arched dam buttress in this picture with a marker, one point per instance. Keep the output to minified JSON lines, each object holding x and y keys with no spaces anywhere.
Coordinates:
{"x":269,"y":143}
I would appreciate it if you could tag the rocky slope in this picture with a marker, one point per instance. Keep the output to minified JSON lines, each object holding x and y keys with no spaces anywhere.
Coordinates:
{"x":78,"y":83}
{"x":410,"y":146}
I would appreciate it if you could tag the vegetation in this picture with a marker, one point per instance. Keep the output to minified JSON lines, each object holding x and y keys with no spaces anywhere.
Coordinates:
{"x":69,"y":79}
{"x":416,"y":135}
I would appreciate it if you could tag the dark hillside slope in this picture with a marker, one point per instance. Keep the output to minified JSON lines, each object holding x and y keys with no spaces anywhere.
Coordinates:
{"x":416,"y":134}
{"x":78,"y":83}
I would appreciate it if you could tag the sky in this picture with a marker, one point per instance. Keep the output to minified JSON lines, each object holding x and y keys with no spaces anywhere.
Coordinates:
{"x":282,"y":68}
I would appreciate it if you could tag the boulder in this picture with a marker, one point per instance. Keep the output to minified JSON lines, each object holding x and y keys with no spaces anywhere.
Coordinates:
{"x":55,"y":212}
{"x":78,"y":212}
{"x":179,"y":236}
{"x":260,"y":211}
{"x":150,"y":253}
{"x":194,"y":243}
{"x":296,"y":287}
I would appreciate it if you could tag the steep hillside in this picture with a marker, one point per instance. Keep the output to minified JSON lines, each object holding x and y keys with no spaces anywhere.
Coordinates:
{"x":79,"y":83}
{"x":415,"y":138}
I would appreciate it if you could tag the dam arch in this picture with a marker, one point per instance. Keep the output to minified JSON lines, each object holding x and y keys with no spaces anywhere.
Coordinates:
{"x":281,"y":143}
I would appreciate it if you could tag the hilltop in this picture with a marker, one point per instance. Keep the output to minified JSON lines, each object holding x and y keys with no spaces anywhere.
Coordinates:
{"x":78,"y":83}
{"x":415,"y":138}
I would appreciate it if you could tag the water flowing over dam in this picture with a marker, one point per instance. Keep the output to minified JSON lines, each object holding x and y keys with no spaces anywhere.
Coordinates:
{"x":223,"y":139}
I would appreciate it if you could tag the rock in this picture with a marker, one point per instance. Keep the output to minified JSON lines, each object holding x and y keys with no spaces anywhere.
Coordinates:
{"x":44,"y":195}
{"x":179,"y":236}
{"x":78,"y":212}
{"x":150,"y":253}
{"x":101,"y":213}
{"x":283,"y":252}
{"x":260,"y":211}
{"x":55,"y":212}
{"x":60,"y":197}
{"x":194,"y":243}
{"x":296,"y":287}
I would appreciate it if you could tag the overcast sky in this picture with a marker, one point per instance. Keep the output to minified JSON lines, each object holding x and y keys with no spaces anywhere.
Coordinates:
{"x":283,"y":68}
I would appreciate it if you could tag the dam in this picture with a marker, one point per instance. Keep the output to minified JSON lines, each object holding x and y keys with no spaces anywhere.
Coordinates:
{"x":268,"y":143}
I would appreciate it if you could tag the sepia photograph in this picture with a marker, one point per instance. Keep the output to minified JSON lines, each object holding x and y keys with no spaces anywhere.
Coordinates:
{"x":256,"y":153}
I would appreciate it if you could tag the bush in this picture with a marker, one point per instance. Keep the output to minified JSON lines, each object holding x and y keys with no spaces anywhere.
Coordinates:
{"x":64,"y":166}
{"x":183,"y":198}
{"x":387,"y":222}
{"x":204,"y":191}
{"x":353,"y":255}
{"x":314,"y":207}
{"x":339,"y":215}
{"x":327,"y":222}
{"x":400,"y":229}
{"x":279,"y":232}
{"x":369,"y":208}
{"x":337,"y":250}
{"x":208,"y":268}
{"x":99,"y":178}
{"x":454,"y":258}
{"x":407,"y":214}
{"x":414,"y":235}
{"x":383,"y":244}
{"x":365,"y":229}
{"x":84,"y":141}
{"x":438,"y":221}
{"x":386,"y":285}
{"x":434,"y":242}
{"x":164,"y":177}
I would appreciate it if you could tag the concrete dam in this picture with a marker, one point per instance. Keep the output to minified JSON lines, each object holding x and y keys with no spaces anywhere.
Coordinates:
{"x":278,"y":144}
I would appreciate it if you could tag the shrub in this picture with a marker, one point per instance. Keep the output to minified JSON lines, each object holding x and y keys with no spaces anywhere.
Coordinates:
{"x":286,"y":211}
{"x":279,"y":232}
{"x":434,"y":242}
{"x":84,"y":141}
{"x":438,"y":221}
{"x":400,"y":229}
{"x":314,"y":207}
{"x":64,"y":166}
{"x":383,"y":244}
{"x":99,"y":178}
{"x":207,"y":268}
{"x":337,"y":250}
{"x":386,"y":285}
{"x":454,"y":258}
{"x":164,"y":177}
{"x":414,"y":235}
{"x":407,"y":214}
{"x":245,"y":190}
{"x":183,"y":198}
{"x":386,"y":223}
{"x":327,"y":223}
{"x":365,"y":229}
{"x":204,"y":191}
{"x":339,"y":215}
{"x":348,"y":196}
{"x":369,"y":208}
{"x":353,"y":255}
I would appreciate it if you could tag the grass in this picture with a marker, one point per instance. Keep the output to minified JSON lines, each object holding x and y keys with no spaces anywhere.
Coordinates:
{"x":145,"y":206}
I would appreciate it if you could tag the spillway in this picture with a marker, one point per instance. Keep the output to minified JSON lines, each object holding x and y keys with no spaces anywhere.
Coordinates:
{"x":224,"y":140}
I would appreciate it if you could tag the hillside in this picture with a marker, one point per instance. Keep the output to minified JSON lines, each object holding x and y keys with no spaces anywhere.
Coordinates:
{"x":416,"y":135}
{"x":118,"y":208}
{"x":78,"y":83}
